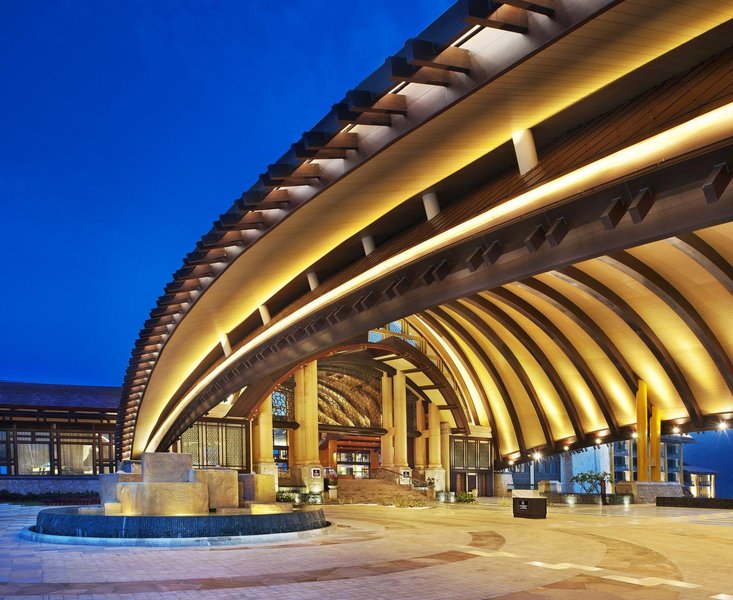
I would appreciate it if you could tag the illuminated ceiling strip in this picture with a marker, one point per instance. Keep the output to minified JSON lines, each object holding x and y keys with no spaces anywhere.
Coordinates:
{"x":696,"y":133}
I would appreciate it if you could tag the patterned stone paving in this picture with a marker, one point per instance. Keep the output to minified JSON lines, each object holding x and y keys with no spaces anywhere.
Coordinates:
{"x":466,"y":552}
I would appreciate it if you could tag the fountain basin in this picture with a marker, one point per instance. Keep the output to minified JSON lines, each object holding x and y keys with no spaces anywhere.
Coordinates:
{"x":84,"y":525}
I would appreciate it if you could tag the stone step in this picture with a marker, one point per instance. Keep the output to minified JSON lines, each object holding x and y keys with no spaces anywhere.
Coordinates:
{"x":372,"y":490}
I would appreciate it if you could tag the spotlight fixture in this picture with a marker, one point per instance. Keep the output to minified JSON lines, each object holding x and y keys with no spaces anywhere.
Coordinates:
{"x":675,"y":429}
{"x":634,"y":435}
{"x":537,"y":456}
{"x":598,"y":441}
{"x":722,"y":425}
{"x":566,"y":447}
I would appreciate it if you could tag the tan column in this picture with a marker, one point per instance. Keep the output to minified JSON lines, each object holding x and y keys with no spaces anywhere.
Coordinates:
{"x":387,"y":423}
{"x":655,"y":444}
{"x":296,"y":450}
{"x":400,"y":420}
{"x":255,"y":441}
{"x":420,"y":442}
{"x":434,"y":436}
{"x":445,"y":452}
{"x":310,"y":435}
{"x":642,"y":425}
{"x":264,"y":433}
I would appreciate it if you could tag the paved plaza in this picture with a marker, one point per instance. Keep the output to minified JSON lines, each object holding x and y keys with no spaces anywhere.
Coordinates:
{"x":584,"y":552}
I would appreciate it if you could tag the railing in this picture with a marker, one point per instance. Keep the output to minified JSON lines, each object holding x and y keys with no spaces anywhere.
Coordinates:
{"x":396,"y":476}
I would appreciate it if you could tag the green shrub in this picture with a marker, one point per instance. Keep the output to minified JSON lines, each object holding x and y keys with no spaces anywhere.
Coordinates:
{"x":286,"y":497}
{"x":400,"y":502}
{"x":466,"y":497}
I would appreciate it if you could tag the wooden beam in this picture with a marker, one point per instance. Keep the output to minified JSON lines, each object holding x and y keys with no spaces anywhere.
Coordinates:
{"x":633,"y":320}
{"x":486,"y":14}
{"x":423,"y":53}
{"x":660,"y":287}
{"x":541,"y":7}
{"x":706,"y":256}
{"x":363,"y":101}
{"x":401,"y":70}
{"x":548,"y":294}
{"x":346,"y":116}
{"x":510,"y":299}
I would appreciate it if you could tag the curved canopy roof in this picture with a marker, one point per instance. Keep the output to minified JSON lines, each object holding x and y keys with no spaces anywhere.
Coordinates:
{"x":549,"y":294}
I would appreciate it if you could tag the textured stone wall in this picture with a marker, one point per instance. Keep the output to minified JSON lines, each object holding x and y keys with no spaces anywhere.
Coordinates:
{"x":646,"y":492}
{"x":47,"y":484}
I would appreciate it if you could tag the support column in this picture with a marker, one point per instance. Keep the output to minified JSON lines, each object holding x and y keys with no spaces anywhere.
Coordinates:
{"x":264,"y":461}
{"x":642,"y":449}
{"x":311,"y":414}
{"x":434,"y":436}
{"x":655,"y":445}
{"x":311,"y":471}
{"x":388,"y":423}
{"x":296,"y":448}
{"x":400,"y":421}
{"x":435,"y":468}
{"x":420,"y":442}
{"x":445,"y":452}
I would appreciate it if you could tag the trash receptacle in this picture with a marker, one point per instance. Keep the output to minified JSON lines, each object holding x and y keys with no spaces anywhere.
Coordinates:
{"x":529,"y":504}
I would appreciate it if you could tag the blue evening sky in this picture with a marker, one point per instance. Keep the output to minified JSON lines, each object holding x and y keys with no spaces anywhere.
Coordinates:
{"x":127,"y":127}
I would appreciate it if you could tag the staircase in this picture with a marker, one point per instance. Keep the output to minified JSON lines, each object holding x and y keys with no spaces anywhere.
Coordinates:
{"x":370,"y":491}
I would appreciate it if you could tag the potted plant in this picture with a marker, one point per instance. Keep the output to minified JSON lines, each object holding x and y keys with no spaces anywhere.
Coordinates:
{"x":431,"y":488}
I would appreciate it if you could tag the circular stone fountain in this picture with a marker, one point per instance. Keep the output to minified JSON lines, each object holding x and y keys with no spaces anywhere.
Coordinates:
{"x":167,"y":503}
{"x":87,"y":525}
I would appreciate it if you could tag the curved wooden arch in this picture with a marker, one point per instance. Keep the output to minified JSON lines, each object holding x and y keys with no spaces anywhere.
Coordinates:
{"x":538,"y":354}
{"x":442,"y":330}
{"x":530,"y":312}
{"x":486,"y":363}
{"x":706,"y":256}
{"x":254,"y":395}
{"x":621,"y":308}
{"x":548,"y":294}
{"x":683,"y":308}
{"x":503,"y":349}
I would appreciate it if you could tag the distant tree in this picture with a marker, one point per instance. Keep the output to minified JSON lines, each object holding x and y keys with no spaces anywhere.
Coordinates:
{"x":593,"y":482}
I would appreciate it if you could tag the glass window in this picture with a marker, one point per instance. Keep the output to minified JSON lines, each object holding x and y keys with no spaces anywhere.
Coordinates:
{"x":34,"y":459}
{"x":76,"y":459}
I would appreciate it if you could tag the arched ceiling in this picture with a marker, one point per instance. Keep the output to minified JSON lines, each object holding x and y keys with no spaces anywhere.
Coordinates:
{"x":548,"y":294}
{"x":560,"y":354}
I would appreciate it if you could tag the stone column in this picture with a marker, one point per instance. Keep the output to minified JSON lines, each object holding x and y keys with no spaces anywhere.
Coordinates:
{"x":642,"y":423}
{"x":310,"y":435}
{"x":263,"y":459}
{"x":296,"y":449}
{"x":400,"y":422}
{"x":655,"y":445}
{"x":420,"y":442}
{"x":445,"y":451}
{"x":311,"y":471}
{"x":435,"y":468}
{"x":387,"y":441}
